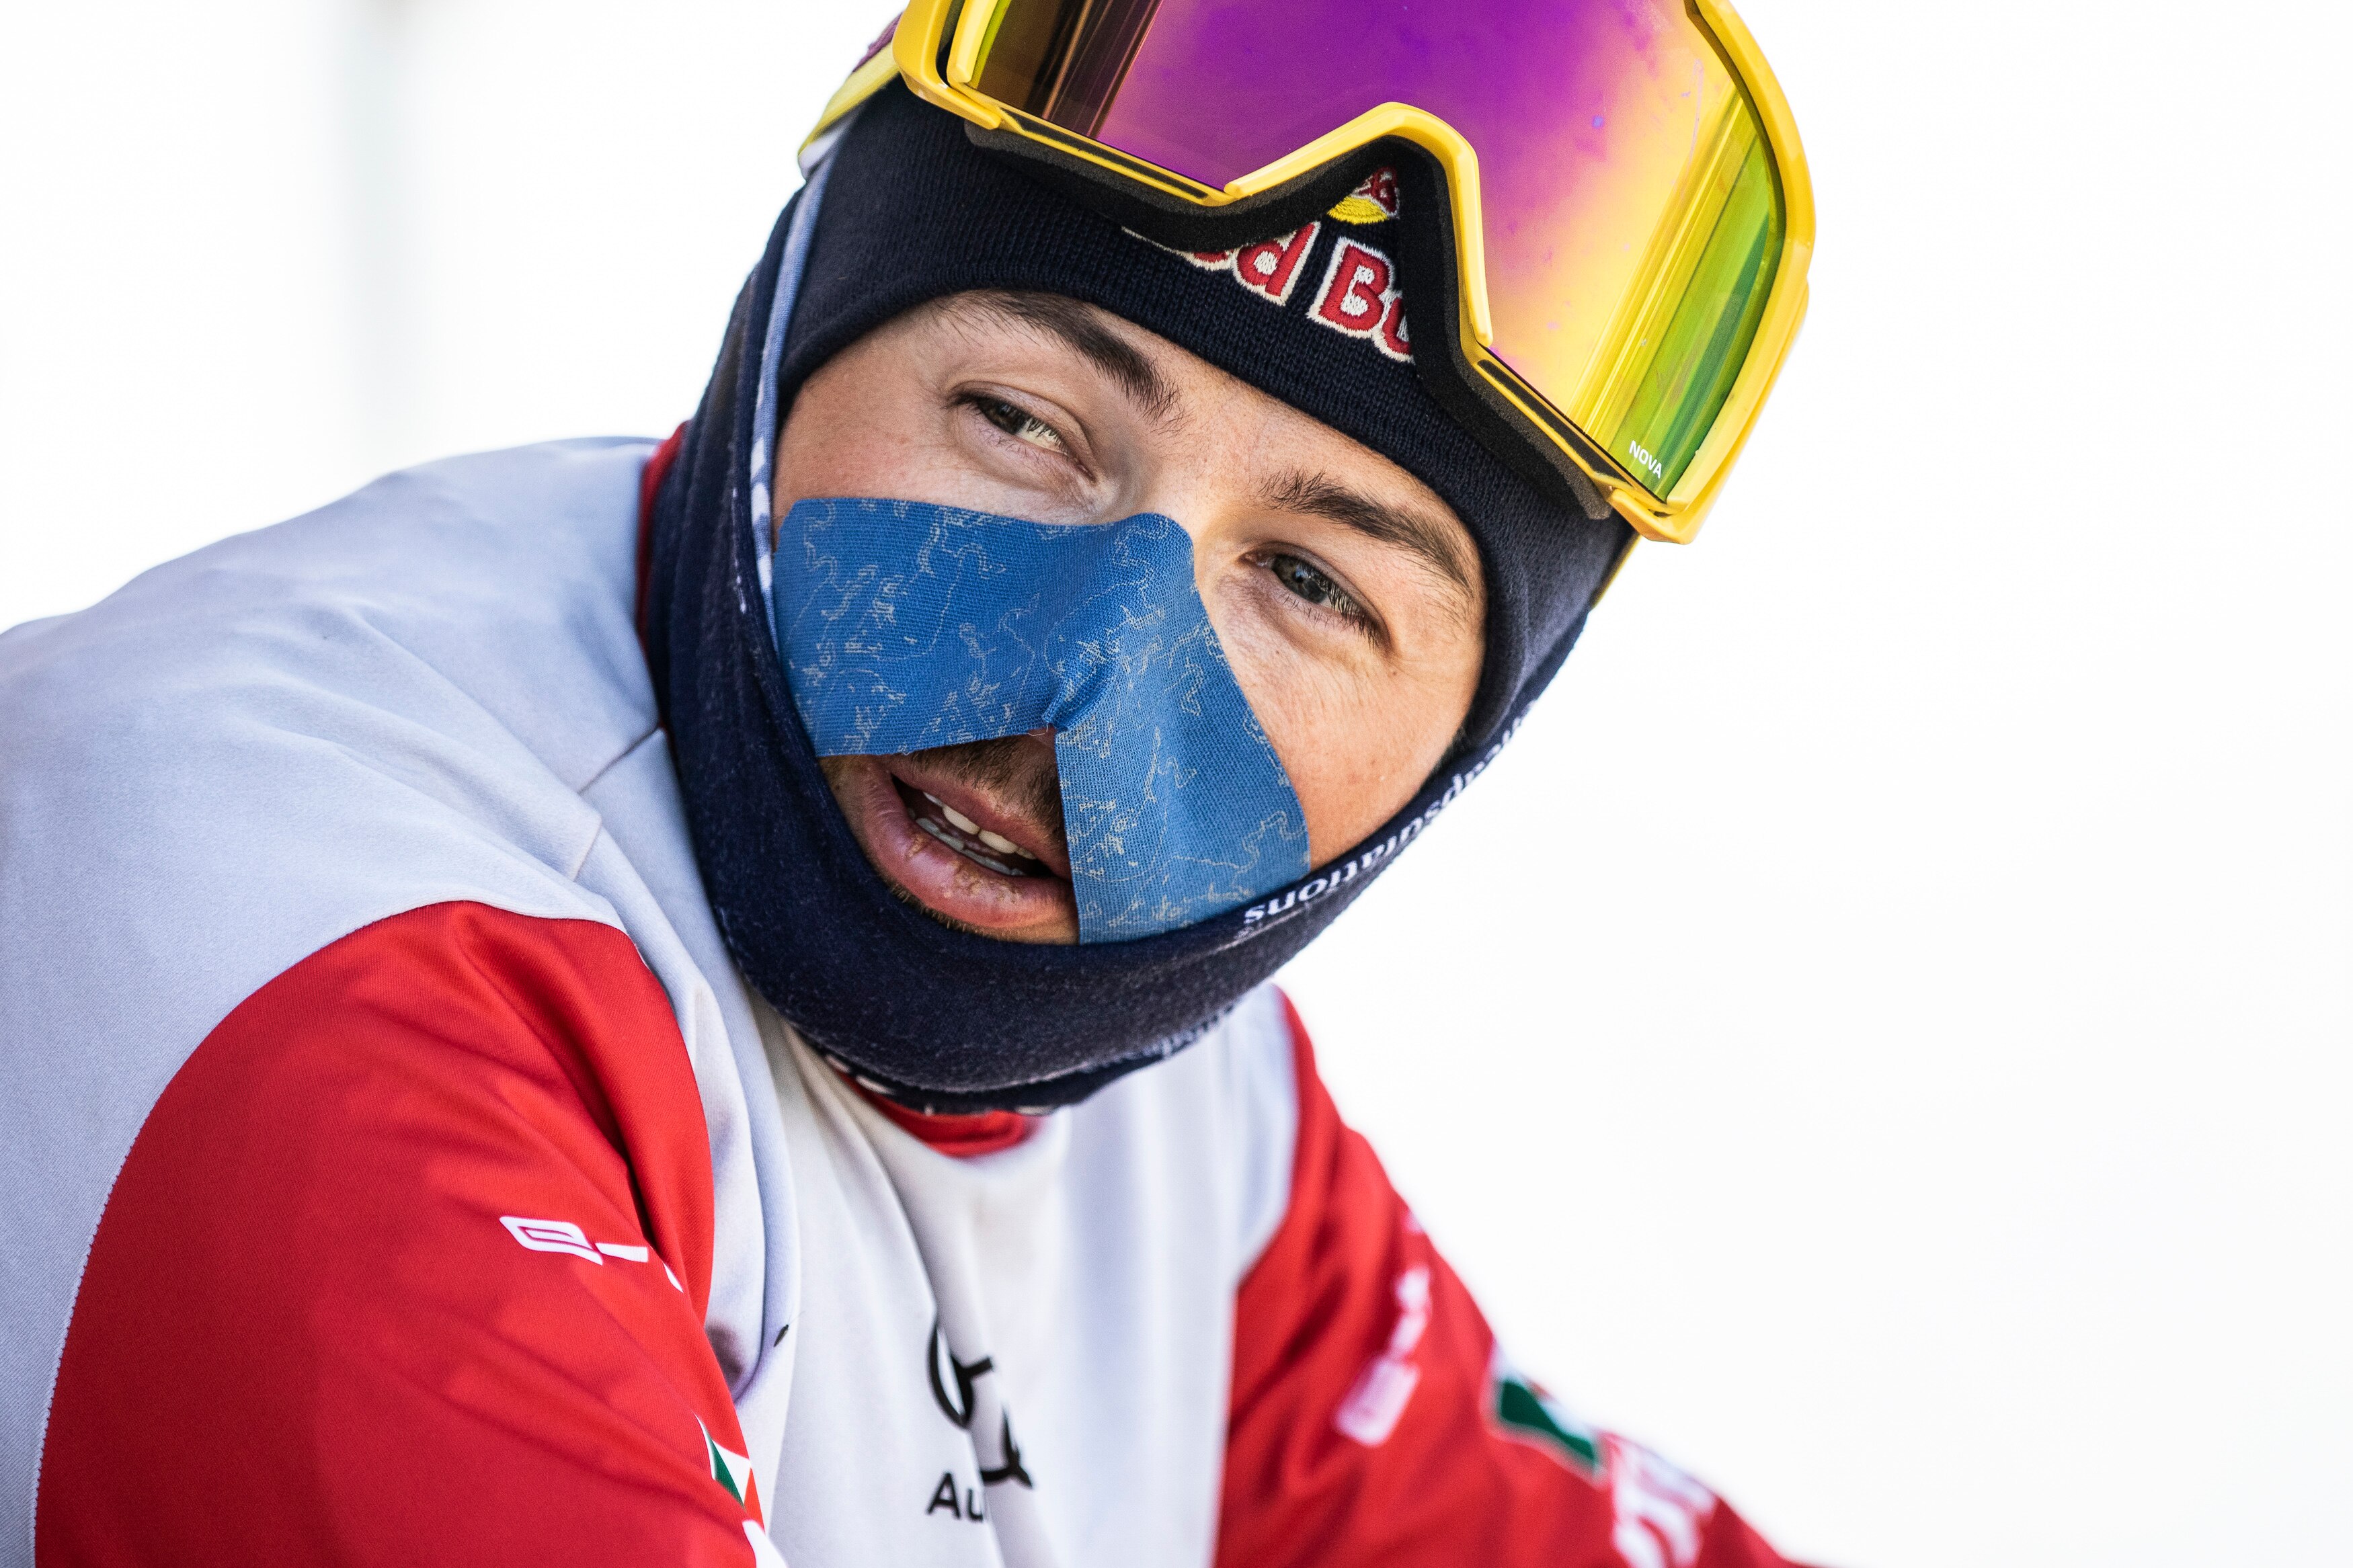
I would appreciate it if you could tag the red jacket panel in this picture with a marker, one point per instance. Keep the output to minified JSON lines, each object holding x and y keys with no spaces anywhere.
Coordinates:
{"x":1375,"y":1423}
{"x":408,"y":1265}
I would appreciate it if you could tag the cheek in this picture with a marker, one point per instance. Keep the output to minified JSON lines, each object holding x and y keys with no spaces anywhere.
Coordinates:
{"x":866,"y":434}
{"x":1355,"y":759}
{"x":1356,"y":736}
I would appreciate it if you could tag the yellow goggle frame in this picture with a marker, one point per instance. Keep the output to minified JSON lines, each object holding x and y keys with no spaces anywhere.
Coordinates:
{"x":936,"y":50}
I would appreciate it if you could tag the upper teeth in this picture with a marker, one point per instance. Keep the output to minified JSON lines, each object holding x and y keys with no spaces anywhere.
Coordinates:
{"x":963,"y":824}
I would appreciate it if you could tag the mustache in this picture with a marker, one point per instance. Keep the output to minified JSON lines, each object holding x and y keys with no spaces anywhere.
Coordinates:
{"x":1015,"y":770}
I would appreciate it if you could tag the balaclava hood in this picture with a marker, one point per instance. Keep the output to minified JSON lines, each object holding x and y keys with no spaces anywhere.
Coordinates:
{"x":905,"y":210}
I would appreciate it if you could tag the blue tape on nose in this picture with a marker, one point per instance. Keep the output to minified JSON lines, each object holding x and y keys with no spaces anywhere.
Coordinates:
{"x":904,"y":624}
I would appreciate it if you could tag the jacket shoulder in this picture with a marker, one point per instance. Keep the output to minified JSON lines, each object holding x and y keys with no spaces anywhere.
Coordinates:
{"x":249,"y":753}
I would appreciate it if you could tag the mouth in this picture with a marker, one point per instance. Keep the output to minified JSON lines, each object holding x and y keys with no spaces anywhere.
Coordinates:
{"x":981,"y":845}
{"x":972,"y":834}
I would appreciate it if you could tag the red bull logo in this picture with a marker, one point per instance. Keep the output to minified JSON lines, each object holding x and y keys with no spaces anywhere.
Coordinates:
{"x":1269,"y":269}
{"x":1375,"y":201}
{"x":1360,"y":295}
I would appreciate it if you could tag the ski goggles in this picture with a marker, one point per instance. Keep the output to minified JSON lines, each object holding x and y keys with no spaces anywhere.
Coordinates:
{"x":1623,"y":215}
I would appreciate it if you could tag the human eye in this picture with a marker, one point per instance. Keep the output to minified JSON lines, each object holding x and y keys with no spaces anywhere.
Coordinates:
{"x":1305,"y":580}
{"x":1018,"y":422}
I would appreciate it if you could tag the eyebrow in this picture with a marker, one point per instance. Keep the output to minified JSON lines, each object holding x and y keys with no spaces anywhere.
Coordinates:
{"x":1077,"y":327}
{"x":1317,"y":495}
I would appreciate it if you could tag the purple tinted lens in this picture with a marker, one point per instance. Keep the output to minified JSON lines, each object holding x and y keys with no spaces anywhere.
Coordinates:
{"x":1633,"y":217}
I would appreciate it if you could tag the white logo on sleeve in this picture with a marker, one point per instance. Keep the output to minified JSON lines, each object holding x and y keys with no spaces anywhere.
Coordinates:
{"x":1377,"y":1398}
{"x":1658,"y":1512}
{"x":563,"y":1236}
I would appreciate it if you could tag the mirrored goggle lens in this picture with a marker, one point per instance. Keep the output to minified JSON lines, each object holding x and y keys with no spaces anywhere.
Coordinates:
{"x":1633,"y":218}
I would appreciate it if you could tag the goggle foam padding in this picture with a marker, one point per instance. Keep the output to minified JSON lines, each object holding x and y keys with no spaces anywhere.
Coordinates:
{"x":904,"y":625}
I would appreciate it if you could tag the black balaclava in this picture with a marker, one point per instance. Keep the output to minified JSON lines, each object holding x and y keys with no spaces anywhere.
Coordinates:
{"x":906,"y":210}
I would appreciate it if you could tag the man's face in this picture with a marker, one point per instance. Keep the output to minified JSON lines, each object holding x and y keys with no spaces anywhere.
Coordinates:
{"x":1347,"y":597}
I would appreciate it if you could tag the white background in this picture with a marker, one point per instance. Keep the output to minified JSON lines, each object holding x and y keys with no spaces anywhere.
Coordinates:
{"x":1880,"y":1034}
